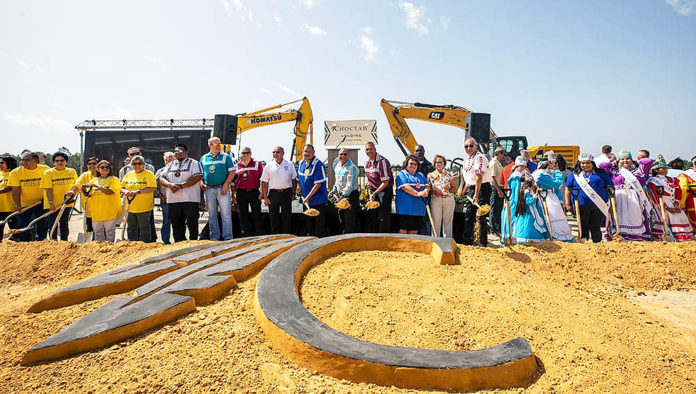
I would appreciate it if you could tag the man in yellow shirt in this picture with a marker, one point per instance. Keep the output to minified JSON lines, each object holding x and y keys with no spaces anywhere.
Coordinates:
{"x":139,"y":185}
{"x":58,"y":183}
{"x":25,"y":181}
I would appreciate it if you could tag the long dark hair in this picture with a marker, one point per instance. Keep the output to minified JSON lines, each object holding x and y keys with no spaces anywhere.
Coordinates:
{"x":10,"y":162}
{"x":562,"y":165}
{"x":521,"y":207}
{"x":578,"y":170}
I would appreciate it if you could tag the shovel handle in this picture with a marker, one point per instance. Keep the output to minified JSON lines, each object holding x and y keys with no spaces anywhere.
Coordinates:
{"x":507,"y":193}
{"x":543,"y":193}
{"x":575,"y":192}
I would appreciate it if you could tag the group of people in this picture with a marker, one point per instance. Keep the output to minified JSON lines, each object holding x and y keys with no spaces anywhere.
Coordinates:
{"x":635,"y":199}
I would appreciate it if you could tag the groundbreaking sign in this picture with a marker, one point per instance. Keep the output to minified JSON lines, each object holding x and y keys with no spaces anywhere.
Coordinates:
{"x":349,"y":132}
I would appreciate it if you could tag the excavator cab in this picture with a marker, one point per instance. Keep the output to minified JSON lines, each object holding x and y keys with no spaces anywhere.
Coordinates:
{"x":512,"y":145}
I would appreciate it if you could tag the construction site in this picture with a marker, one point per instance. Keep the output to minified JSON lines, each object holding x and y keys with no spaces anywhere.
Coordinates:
{"x":348,"y":197}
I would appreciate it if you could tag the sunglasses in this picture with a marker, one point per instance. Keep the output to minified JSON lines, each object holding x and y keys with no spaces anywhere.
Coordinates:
{"x":276,"y":151}
{"x":216,"y":144}
{"x":139,"y":163}
{"x":246,"y":153}
{"x":179,"y":150}
{"x":343,"y":154}
{"x":469,"y":146}
{"x":134,"y":154}
{"x":58,"y":160}
{"x":103,"y":167}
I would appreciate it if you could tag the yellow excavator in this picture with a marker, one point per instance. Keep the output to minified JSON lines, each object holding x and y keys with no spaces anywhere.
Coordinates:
{"x":243,"y":122}
{"x":398,"y":111}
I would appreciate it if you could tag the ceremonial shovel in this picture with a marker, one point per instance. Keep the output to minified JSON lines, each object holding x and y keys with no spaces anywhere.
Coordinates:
{"x":665,"y":221}
{"x":85,"y":236}
{"x":612,"y":197}
{"x":576,"y":192}
{"x":15,"y":213}
{"x":543,"y":193}
{"x":60,"y":214}
{"x":45,"y":215}
{"x":506,"y":194}
{"x":129,"y":199}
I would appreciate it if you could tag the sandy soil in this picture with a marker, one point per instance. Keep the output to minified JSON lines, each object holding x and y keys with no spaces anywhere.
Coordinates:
{"x":608,"y":317}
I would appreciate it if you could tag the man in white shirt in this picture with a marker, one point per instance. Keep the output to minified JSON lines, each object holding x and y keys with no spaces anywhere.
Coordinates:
{"x":604,"y":157}
{"x":183,"y":193}
{"x":278,"y":184}
{"x":477,"y":178}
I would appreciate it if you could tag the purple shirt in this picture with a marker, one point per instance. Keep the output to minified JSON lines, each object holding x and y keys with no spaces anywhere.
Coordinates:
{"x":641,"y":172}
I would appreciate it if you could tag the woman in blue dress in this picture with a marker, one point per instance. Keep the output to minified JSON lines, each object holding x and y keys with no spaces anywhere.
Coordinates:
{"x":411,"y":189}
{"x":549,"y":178}
{"x":527,"y":214}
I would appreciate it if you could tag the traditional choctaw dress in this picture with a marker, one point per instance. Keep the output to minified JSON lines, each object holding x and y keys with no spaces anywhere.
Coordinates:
{"x":632,"y":205}
{"x":530,"y":226}
{"x":687,"y":179}
{"x":552,"y":180}
{"x":679,"y":225}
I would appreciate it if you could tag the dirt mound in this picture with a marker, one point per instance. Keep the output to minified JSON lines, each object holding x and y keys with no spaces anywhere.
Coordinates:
{"x":576,"y":304}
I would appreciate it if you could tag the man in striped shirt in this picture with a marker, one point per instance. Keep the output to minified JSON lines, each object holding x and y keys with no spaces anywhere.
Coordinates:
{"x":347,"y":187}
{"x":380,"y":182}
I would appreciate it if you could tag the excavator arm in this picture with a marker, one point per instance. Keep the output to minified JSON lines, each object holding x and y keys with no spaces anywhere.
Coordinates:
{"x":398,"y":111}
{"x":303,"y":122}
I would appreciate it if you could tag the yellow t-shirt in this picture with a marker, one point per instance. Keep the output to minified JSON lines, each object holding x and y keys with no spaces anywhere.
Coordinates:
{"x":102,"y":206}
{"x":30,"y":183}
{"x":60,"y":182}
{"x":142,"y":202}
{"x":6,"y":202}
{"x":85,"y":178}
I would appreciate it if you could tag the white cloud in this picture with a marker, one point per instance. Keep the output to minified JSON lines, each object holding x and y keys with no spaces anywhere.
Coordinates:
{"x":445,"y":21}
{"x":414,"y":16}
{"x":266,"y":91}
{"x":288,"y":90}
{"x":313,"y":30}
{"x":26,"y":65}
{"x":309,"y":3}
{"x":368,"y":45}
{"x":237,"y":7}
{"x":41,"y":122}
{"x":683,"y":7}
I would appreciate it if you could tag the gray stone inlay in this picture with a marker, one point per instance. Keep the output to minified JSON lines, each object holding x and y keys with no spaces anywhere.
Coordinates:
{"x":112,"y":316}
{"x":202,"y":275}
{"x":282,"y":306}
{"x":161,"y":262}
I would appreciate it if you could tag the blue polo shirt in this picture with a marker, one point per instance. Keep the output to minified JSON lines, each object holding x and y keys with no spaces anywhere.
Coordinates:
{"x":215,"y":169}
{"x":598,"y":181}
{"x":309,"y":174}
{"x":407,"y":204}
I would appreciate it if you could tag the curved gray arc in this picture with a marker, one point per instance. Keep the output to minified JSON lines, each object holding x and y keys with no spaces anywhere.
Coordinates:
{"x":282,"y":306}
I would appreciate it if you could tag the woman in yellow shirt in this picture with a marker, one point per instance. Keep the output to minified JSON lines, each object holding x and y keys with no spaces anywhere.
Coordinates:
{"x":105,"y":203}
{"x":58,"y":183}
{"x":7,"y":205}
{"x":139,"y":185}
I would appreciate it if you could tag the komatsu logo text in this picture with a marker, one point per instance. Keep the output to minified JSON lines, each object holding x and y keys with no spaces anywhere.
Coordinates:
{"x":263,"y":119}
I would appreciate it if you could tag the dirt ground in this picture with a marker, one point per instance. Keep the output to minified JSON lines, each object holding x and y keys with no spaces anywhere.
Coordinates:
{"x":600,"y":317}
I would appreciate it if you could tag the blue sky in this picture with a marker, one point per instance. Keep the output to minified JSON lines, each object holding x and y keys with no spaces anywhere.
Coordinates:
{"x":560,"y":72}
